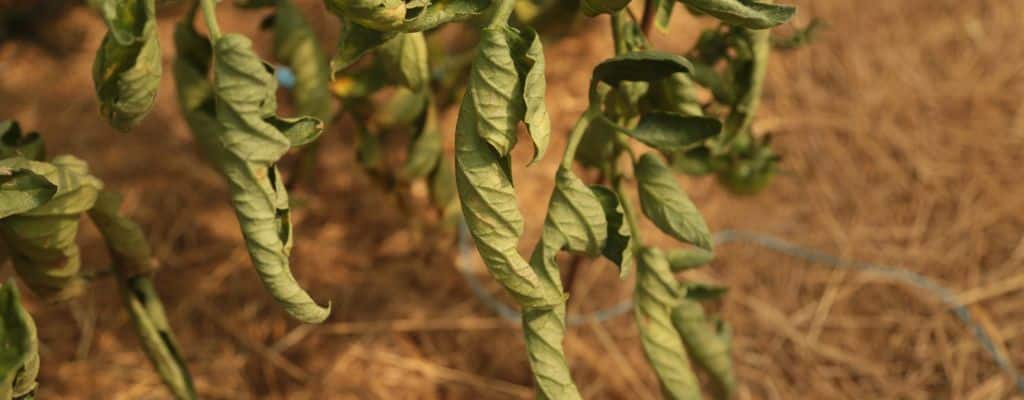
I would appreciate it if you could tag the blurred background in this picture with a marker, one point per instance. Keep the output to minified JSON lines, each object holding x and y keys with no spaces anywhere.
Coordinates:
{"x":902,"y":134}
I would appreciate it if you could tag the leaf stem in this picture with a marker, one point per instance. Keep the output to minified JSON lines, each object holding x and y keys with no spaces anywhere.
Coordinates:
{"x":210,"y":16}
{"x":576,"y":135}
{"x":502,"y":10}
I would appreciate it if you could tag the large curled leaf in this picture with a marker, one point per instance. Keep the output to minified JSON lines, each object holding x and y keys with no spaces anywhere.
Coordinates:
{"x":234,"y":123}
{"x":41,"y":240}
{"x":296,"y":45}
{"x":405,"y":56}
{"x":665,"y":203}
{"x":127,"y":68}
{"x":617,"y":246}
{"x":656,"y":295}
{"x":575,"y":222}
{"x":595,"y":7}
{"x":707,"y":348}
{"x":484,"y":135}
{"x":19,"y":347}
{"x":133,"y":264}
{"x":15,"y":143}
{"x":744,"y":13}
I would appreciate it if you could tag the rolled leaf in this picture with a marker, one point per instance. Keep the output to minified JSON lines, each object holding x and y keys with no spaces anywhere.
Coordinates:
{"x":127,"y":68}
{"x":234,"y":123}
{"x":15,"y":143}
{"x":133,"y":263}
{"x":656,"y":295}
{"x":19,"y":346}
{"x":707,"y":348}
{"x":744,"y":13}
{"x":665,"y":203}
{"x":41,"y":240}
{"x":640,"y":66}
{"x":427,"y":146}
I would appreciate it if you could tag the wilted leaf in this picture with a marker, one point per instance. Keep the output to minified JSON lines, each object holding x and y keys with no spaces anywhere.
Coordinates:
{"x":665,"y":203}
{"x":41,"y":240}
{"x":405,"y":56}
{"x":127,"y":68}
{"x":234,"y":123}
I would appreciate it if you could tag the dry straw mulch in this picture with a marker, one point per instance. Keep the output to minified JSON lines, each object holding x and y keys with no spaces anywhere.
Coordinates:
{"x":902,"y":130}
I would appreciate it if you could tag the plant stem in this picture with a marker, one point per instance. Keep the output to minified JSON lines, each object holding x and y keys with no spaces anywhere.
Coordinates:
{"x":502,"y":10}
{"x":576,"y":135}
{"x":210,"y":16}
{"x":650,"y":11}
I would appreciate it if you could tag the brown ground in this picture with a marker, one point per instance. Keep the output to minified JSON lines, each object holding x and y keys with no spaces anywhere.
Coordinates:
{"x":903,"y":135}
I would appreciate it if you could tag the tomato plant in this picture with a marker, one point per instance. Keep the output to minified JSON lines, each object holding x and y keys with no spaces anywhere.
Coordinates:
{"x":651,"y":114}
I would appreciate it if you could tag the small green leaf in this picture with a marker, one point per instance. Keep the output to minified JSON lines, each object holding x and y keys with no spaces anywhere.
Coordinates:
{"x":744,"y":13}
{"x":617,"y":246}
{"x":640,"y":66}
{"x":127,"y":68}
{"x":426,"y":148}
{"x":598,"y":143}
{"x":665,"y":203}
{"x":671,"y":132}
{"x":14,"y":143}
{"x":19,"y":347}
{"x":682,"y":260}
{"x":656,"y":295}
{"x":593,"y":8}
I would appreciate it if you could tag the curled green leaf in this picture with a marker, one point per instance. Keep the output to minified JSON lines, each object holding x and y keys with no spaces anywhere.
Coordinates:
{"x":426,"y":149}
{"x":744,"y":13}
{"x":127,"y":68}
{"x":19,"y":346}
{"x":640,"y":66}
{"x":708,"y":349}
{"x":133,"y":263}
{"x":234,"y":123}
{"x":665,"y":203}
{"x":656,"y":295}
{"x":41,"y":240}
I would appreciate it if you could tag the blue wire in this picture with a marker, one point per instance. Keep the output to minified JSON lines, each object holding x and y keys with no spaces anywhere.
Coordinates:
{"x":945,"y":295}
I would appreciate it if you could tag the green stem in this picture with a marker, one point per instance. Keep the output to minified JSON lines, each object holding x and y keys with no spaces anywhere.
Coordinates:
{"x":502,"y":11}
{"x":627,"y":204}
{"x":210,"y":16}
{"x":576,"y":136}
